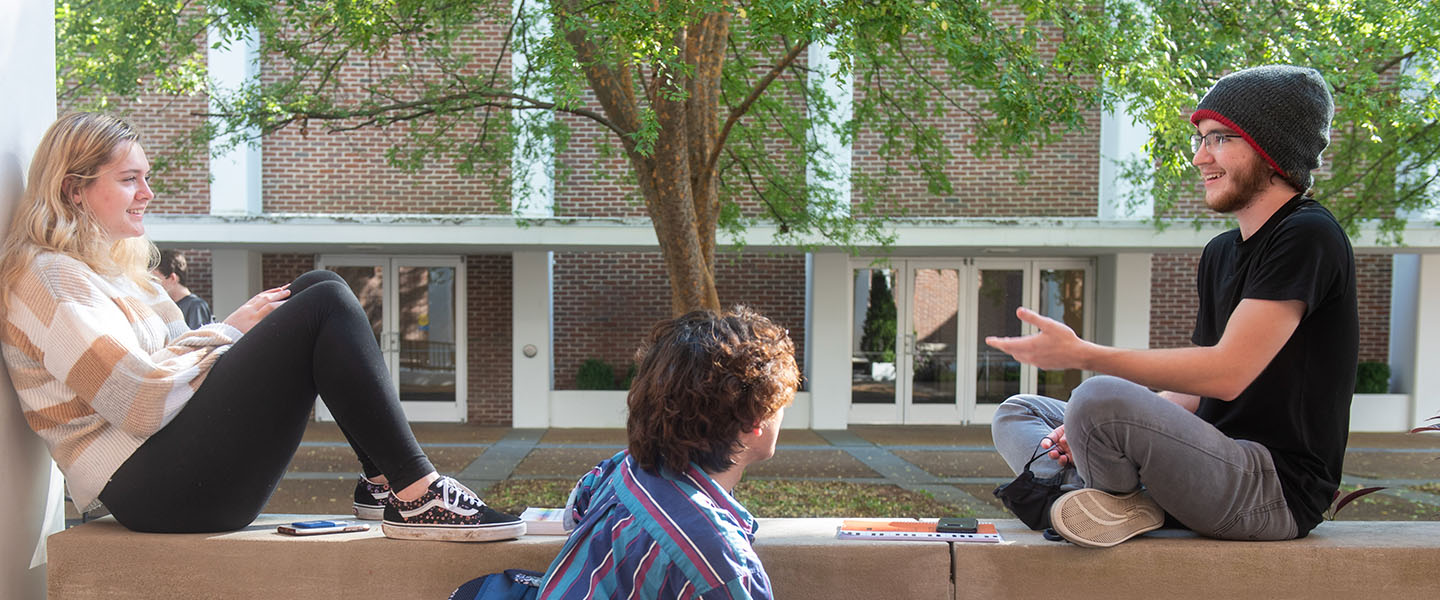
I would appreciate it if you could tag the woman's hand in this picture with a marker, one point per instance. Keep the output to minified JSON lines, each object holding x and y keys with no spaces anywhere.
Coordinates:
{"x":257,"y":308}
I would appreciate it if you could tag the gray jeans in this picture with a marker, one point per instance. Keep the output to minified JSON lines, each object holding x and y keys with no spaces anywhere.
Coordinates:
{"x":1123,"y":436}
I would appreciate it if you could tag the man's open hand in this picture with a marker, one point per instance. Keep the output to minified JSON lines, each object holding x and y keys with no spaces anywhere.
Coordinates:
{"x":1054,"y":346}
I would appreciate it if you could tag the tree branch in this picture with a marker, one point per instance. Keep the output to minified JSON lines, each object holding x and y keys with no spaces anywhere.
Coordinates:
{"x":422,"y":107}
{"x":919,"y":73}
{"x":744,"y":106}
{"x":755,"y":186}
{"x":1387,"y":65}
{"x":1393,"y":148}
{"x":613,"y":88}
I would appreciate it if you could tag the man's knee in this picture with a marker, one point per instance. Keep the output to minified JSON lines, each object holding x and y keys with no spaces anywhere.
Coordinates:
{"x":1099,"y":398}
{"x":1021,"y":404}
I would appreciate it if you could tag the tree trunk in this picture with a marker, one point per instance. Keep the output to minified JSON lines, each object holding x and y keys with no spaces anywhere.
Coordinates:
{"x":679,"y":186}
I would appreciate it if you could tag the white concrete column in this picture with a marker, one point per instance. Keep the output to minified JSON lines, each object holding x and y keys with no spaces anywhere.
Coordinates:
{"x":1122,"y":299}
{"x":1404,"y":291}
{"x":1122,"y":141}
{"x":828,"y":172}
{"x":531,"y":338}
{"x":1422,"y":362}
{"x":830,"y":341}
{"x":532,"y":192}
{"x":35,"y":499}
{"x":236,"y":275}
{"x":234,"y":168}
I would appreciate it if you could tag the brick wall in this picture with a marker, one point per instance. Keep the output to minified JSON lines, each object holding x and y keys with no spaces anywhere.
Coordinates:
{"x":279,"y":269}
{"x":1060,"y":180}
{"x":595,"y":179}
{"x":310,"y":170}
{"x":1173,"y":302}
{"x":488,"y":316}
{"x":1372,"y":288}
{"x":607,"y":302}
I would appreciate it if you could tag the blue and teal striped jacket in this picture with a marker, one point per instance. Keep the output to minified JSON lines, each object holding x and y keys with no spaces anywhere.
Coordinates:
{"x":655,"y":535}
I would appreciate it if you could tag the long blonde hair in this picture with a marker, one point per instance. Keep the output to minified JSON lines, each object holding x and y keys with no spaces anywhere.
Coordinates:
{"x":68,"y":159}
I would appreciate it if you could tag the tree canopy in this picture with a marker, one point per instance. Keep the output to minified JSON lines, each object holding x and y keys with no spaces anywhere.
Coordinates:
{"x":715,"y":111}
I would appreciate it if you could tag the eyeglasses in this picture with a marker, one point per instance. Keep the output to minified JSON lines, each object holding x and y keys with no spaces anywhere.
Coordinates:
{"x":1212,"y":141}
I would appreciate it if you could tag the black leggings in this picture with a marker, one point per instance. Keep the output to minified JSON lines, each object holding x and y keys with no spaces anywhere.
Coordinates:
{"x":215,"y":466}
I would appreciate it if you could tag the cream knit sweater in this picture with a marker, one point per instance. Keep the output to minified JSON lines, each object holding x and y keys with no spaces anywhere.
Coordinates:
{"x":100,"y":365}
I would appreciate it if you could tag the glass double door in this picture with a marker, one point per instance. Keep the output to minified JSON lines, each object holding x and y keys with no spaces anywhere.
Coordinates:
{"x":417,"y":311}
{"x":918,"y":352}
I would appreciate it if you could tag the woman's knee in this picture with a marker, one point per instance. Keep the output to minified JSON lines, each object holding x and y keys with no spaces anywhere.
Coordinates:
{"x":315,"y":277}
{"x":326,"y":290}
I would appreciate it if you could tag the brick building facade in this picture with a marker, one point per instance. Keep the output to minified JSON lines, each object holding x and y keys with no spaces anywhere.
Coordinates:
{"x":605,"y":296}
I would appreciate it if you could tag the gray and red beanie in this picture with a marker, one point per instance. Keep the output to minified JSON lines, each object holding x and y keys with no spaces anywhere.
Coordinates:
{"x":1283,"y":112}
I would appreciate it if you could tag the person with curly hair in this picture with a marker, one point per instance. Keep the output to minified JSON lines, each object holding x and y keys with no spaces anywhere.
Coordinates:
{"x":657,"y":520}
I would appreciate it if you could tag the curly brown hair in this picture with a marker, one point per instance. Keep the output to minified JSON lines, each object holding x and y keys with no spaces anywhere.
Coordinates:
{"x":703,"y":379}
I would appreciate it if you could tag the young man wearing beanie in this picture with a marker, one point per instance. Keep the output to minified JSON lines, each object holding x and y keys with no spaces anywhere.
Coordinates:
{"x":1247,"y":439}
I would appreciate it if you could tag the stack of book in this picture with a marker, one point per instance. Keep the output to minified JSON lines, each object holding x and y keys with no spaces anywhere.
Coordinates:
{"x":544,"y":521}
{"x":877,"y":529}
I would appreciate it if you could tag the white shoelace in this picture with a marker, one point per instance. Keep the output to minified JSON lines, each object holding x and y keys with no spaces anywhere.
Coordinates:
{"x":454,"y":494}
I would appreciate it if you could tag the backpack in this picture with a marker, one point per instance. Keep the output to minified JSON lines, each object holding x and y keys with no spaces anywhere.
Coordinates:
{"x":511,"y":584}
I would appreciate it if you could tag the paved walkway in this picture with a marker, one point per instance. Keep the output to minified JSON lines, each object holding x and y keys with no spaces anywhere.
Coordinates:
{"x":956,"y":464}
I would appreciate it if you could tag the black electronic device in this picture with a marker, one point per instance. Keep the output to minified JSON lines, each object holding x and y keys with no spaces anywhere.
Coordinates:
{"x":957,"y":525}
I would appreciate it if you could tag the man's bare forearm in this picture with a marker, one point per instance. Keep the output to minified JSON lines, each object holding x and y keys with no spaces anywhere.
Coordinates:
{"x":1189,"y":402}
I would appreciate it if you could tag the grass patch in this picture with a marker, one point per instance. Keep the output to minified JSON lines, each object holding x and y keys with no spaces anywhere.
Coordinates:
{"x":513,"y":495}
{"x":1382,"y":507}
{"x":781,"y":498}
{"x":763,"y":498}
{"x":1429,"y":488}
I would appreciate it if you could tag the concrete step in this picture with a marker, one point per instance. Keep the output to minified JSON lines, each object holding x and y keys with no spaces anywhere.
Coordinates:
{"x":101,"y":559}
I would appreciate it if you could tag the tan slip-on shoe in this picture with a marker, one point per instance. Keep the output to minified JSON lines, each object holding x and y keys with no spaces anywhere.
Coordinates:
{"x":1097,"y":519}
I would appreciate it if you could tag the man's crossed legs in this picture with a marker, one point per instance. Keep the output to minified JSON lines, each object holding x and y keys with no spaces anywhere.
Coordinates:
{"x":1123,"y":437}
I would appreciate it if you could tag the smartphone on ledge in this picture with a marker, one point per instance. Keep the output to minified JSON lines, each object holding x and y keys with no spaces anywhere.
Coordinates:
{"x":956,"y":525}
{"x":321,"y":527}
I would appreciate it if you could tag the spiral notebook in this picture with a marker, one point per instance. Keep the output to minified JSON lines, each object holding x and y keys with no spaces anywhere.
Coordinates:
{"x":879,"y":529}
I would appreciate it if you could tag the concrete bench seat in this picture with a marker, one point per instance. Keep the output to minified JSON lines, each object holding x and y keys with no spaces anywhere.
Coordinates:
{"x":101,"y":559}
{"x":1364,"y":560}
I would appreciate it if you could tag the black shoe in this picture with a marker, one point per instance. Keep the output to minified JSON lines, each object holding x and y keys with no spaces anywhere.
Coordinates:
{"x":370,"y":499}
{"x":451,"y":512}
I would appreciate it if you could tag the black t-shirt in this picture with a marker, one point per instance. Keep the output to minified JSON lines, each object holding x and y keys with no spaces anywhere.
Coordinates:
{"x":196,"y":311}
{"x":1299,"y":406}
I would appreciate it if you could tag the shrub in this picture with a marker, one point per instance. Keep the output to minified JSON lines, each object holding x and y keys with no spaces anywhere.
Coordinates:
{"x":629,"y":377}
{"x":595,"y":374}
{"x":878,"y":338}
{"x":1372,"y":378}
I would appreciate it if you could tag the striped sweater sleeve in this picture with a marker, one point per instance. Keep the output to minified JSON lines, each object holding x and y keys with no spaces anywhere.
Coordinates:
{"x":103,"y":351}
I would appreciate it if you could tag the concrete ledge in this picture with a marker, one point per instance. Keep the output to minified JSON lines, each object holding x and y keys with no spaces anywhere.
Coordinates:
{"x":102,"y":559}
{"x":1348,"y":559}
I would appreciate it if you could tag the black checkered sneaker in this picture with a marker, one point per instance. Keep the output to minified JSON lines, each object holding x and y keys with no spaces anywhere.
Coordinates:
{"x":451,"y":512}
{"x":370,"y":499}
